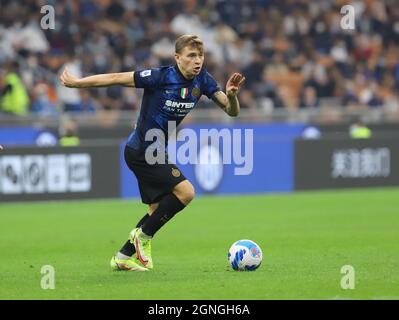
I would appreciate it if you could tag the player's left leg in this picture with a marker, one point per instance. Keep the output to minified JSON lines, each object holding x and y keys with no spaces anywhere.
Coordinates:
{"x":125,"y":258}
{"x":128,"y":249}
{"x":168,"y":206}
{"x":130,"y":264}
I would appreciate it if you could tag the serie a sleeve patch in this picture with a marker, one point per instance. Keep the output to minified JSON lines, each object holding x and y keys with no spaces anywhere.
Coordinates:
{"x":145,"y":73}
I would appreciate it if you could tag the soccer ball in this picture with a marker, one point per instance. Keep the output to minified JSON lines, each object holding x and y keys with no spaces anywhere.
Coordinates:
{"x":245,"y":255}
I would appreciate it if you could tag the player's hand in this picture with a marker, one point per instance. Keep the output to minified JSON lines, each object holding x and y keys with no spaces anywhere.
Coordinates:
{"x":68,"y":80}
{"x":233,"y":84}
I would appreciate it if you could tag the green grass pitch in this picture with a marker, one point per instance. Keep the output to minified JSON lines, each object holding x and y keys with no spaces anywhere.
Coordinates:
{"x":306,"y":238}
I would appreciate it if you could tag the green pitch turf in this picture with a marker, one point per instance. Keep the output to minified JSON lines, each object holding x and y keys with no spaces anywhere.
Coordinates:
{"x":306,"y":238}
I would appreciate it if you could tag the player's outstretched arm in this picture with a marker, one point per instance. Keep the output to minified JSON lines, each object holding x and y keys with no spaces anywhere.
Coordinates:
{"x":228,"y":101}
{"x":100,"y":80}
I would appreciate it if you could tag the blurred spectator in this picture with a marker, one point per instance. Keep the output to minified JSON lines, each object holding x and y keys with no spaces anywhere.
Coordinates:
{"x":70,"y":137}
{"x":24,"y":35}
{"x":349,"y":98}
{"x":358,"y":130}
{"x":13,"y":96}
{"x":69,"y":98}
{"x":369,"y":95}
{"x":247,"y":100}
{"x":88,"y":104}
{"x":41,"y":101}
{"x":309,"y":98}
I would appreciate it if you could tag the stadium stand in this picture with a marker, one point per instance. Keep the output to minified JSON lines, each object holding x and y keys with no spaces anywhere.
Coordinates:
{"x":294,"y":54}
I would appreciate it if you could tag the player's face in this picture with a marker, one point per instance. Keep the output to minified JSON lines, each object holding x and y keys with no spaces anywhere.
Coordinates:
{"x":190,"y":61}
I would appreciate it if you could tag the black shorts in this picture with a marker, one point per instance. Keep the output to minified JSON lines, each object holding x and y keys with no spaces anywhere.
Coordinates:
{"x":155,"y":180}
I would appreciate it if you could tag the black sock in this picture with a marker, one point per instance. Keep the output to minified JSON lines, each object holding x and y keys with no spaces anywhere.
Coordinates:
{"x":142,"y":220}
{"x":128,"y":249}
{"x":168,"y":207}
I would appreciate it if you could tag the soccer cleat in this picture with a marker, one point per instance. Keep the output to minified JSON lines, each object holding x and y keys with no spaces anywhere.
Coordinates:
{"x":131,"y":264}
{"x":143,"y":247}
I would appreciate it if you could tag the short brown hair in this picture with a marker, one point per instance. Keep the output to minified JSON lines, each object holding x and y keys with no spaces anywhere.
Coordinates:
{"x":188,"y":40}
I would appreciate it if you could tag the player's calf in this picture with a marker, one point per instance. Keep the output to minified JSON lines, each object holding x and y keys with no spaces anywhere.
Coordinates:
{"x":169,"y":205}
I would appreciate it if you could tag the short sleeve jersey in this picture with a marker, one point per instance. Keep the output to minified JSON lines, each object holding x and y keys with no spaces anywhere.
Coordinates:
{"x":168,"y":96}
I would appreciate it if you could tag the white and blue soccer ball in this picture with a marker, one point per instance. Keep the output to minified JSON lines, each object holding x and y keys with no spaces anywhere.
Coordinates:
{"x":245,"y":255}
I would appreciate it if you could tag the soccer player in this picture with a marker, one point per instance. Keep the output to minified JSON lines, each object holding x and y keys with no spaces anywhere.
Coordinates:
{"x":170,"y":92}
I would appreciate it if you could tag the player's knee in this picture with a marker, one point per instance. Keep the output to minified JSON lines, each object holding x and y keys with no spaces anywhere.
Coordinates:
{"x":185,"y":192}
{"x":190,"y":192}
